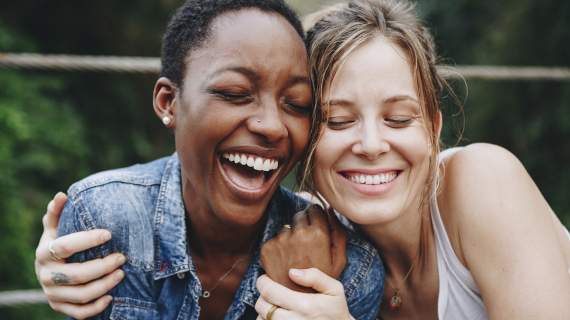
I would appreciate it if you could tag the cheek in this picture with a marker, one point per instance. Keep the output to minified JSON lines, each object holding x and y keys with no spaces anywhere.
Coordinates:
{"x":329,"y":150}
{"x":299,"y":135}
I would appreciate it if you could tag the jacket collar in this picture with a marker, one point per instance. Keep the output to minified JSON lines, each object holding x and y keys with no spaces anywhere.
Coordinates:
{"x":170,"y":240}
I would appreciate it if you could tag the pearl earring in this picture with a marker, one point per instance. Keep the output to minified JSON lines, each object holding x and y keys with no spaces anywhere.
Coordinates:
{"x":166,"y":121}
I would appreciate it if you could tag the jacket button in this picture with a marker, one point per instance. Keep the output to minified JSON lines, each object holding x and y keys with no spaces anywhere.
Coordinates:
{"x":181,"y":275}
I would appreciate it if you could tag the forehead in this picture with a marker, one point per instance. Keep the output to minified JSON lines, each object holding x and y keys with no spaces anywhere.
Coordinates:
{"x":253,"y":38}
{"x":377,"y":69}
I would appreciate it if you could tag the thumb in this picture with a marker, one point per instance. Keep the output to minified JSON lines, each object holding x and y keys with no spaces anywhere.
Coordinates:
{"x":318,"y":280}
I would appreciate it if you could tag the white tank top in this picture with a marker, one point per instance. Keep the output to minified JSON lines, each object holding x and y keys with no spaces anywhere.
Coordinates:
{"x":459,"y":297}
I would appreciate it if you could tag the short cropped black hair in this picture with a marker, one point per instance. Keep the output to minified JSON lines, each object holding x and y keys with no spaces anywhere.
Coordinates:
{"x":189,"y":27}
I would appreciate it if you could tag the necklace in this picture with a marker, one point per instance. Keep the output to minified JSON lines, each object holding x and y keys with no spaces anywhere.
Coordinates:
{"x":396,"y":301}
{"x":206,"y":293}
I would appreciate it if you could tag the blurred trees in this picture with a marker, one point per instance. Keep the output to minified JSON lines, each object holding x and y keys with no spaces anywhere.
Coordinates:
{"x":58,"y":127}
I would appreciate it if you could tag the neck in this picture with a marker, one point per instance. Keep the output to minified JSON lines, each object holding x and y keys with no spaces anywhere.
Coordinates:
{"x":399,"y":241}
{"x":209,"y":237}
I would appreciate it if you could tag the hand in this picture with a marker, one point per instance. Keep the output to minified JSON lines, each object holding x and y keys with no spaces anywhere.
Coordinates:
{"x":63,"y":283}
{"x":316,"y":240}
{"x":329,"y":303}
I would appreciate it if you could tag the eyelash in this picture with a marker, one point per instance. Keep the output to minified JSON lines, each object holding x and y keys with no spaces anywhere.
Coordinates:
{"x":302,"y":109}
{"x":399,"y":122}
{"x":339,"y":124}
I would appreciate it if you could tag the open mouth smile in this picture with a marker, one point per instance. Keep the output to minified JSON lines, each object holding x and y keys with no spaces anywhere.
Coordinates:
{"x":371,"y":184}
{"x":248,"y":175}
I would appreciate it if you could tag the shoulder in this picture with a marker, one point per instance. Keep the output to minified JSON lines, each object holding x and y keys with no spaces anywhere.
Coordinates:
{"x":120,"y":201}
{"x":143,"y":174}
{"x":479,"y":177}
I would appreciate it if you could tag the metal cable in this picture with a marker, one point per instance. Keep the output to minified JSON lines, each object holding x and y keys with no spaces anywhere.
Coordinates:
{"x":22,"y":297}
{"x":152,"y":65}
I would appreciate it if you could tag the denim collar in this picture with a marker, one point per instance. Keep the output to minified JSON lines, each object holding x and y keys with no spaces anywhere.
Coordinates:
{"x":170,"y":240}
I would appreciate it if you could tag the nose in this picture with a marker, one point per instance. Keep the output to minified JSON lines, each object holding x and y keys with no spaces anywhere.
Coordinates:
{"x":370,"y":142}
{"x":268,"y":123}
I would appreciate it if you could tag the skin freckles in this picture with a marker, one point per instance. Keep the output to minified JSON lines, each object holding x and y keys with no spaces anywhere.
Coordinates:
{"x":375,"y":125}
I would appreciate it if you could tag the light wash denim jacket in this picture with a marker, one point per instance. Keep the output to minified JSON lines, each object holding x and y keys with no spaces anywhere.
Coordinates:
{"x":142,"y":207}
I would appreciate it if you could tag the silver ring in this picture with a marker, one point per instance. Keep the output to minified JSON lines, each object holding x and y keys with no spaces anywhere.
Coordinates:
{"x":52,"y":253}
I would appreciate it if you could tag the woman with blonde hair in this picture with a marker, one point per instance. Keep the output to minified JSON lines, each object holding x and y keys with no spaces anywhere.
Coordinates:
{"x":463,"y":234}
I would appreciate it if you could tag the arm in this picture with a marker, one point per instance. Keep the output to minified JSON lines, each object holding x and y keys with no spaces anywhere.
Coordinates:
{"x":67,"y":286}
{"x":503,"y":232}
{"x":358,"y":291}
{"x":330,"y":304}
{"x":316,"y":240}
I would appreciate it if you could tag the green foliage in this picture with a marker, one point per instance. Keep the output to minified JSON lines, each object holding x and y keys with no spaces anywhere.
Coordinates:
{"x":56,"y":128}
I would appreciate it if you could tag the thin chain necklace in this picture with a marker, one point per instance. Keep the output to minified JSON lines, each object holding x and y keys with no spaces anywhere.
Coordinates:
{"x":396,"y":301}
{"x":206,"y":293}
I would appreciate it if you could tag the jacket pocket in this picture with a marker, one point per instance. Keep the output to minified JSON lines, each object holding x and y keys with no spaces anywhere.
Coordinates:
{"x":128,"y":308}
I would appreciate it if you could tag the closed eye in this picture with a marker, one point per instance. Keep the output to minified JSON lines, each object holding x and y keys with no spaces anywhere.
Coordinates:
{"x":399,"y":123}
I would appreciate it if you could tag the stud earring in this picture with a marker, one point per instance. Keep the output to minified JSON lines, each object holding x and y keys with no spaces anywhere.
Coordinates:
{"x":258,"y":120}
{"x":166,"y":121}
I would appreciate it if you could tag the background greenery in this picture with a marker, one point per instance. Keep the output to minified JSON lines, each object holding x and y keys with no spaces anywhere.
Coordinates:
{"x":58,"y":127}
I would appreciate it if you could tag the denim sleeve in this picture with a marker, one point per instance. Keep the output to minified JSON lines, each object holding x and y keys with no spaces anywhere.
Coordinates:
{"x":70,"y":222}
{"x":363,"y":279}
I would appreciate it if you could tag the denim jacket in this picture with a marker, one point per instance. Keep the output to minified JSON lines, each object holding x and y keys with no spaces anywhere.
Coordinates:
{"x":142,"y":207}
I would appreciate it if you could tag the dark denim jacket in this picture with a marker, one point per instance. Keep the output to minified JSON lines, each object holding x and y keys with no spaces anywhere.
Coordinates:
{"x":142,"y":207}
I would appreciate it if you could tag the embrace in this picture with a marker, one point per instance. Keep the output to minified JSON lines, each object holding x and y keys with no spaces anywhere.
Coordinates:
{"x":409,"y":230}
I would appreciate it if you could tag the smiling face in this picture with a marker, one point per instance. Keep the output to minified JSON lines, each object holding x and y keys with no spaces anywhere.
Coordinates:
{"x":373,"y":158}
{"x":241,"y":120}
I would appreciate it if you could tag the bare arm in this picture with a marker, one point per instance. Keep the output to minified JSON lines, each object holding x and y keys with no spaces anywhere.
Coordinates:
{"x":502,"y":230}
{"x":65,"y":285}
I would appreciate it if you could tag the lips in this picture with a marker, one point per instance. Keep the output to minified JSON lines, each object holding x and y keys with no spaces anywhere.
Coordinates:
{"x":251,"y":172}
{"x":248,"y":171}
{"x":370,"y":182}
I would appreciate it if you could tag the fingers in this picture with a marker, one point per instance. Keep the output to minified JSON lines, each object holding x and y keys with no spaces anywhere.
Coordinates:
{"x":263,"y":307}
{"x":79,"y":273}
{"x":72,"y":243}
{"x":83,"y":311}
{"x":51,"y":218}
{"x":276,"y":294}
{"x":338,"y":244}
{"x":84,"y":293}
{"x":317,"y":280}
{"x":300,"y":219}
{"x":317,"y":217}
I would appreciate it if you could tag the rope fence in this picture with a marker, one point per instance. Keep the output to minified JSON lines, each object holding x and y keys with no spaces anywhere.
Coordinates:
{"x":22,"y":297}
{"x":152,"y":65}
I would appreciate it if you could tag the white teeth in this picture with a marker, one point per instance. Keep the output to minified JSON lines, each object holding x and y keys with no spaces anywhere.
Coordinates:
{"x":375,"y":179}
{"x":250,"y":162}
{"x":259,"y":164}
{"x":266,"y":164}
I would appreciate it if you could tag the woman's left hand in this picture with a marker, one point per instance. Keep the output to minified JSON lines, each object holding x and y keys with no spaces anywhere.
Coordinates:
{"x":328,"y":303}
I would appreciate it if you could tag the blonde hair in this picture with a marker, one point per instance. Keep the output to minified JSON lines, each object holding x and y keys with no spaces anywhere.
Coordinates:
{"x":334,"y":32}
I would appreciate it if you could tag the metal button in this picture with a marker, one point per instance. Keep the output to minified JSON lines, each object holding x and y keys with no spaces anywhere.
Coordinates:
{"x":181,"y":275}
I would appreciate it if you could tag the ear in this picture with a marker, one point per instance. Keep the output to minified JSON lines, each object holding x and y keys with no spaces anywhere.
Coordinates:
{"x":439,"y":125}
{"x":165,"y":100}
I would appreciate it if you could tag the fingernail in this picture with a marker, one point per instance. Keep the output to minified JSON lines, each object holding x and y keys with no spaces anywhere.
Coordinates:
{"x":121,"y":260}
{"x":119,"y":275}
{"x":108,"y":299}
{"x":297,"y":272}
{"x":106,"y":236}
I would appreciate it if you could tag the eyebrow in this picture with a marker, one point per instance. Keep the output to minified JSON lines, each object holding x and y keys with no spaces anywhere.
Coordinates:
{"x":254,"y":76}
{"x":248,"y":72}
{"x":398,"y":98}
